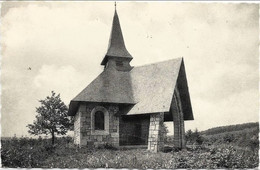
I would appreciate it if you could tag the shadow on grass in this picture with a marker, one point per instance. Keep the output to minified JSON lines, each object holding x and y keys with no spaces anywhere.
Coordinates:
{"x":170,"y":149}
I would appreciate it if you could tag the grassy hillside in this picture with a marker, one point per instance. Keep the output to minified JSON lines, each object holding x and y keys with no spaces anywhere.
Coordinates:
{"x":231,"y":128}
{"x":225,"y":148}
{"x":242,"y":135}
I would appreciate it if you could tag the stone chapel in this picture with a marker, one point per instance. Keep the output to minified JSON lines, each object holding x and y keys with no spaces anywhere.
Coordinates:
{"x":126,"y":105}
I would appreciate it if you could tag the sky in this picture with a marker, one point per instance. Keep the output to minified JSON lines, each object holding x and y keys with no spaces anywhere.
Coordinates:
{"x":64,"y":42}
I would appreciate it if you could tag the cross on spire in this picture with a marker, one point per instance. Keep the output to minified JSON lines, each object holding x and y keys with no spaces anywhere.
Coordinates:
{"x":115,"y":5}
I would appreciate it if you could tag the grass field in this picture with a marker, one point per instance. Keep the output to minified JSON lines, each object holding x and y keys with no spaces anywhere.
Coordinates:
{"x":226,"y":152}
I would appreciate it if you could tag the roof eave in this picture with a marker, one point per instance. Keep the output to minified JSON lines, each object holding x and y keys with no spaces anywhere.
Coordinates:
{"x":105,"y":59}
{"x":73,"y":106}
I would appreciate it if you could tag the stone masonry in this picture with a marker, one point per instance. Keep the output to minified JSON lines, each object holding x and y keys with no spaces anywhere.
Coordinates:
{"x":77,"y":128}
{"x":84,"y":134}
{"x":155,"y":139}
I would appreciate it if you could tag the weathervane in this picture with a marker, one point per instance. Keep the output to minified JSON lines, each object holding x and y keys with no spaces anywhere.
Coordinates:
{"x":115,"y":5}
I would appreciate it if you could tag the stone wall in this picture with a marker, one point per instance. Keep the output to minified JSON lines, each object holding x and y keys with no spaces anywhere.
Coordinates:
{"x":90,"y":137}
{"x":155,"y":139}
{"x":77,"y":128}
{"x":114,"y":125}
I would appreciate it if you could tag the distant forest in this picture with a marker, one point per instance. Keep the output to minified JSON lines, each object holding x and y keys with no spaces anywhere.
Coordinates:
{"x":231,"y":128}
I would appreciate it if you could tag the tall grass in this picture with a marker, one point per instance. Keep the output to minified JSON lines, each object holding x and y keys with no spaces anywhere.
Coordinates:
{"x":32,"y":153}
{"x":28,"y":152}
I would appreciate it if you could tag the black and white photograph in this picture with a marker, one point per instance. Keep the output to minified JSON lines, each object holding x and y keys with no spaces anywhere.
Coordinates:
{"x":129,"y":84}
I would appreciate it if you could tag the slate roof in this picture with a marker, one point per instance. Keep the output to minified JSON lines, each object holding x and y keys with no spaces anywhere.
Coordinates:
{"x":153,"y":86}
{"x":111,"y":86}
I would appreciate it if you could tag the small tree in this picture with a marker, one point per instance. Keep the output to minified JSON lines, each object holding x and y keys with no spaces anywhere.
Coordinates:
{"x":188,"y":136}
{"x":194,"y":137}
{"x":164,"y":132}
{"x":52,"y":117}
{"x":197,"y":136}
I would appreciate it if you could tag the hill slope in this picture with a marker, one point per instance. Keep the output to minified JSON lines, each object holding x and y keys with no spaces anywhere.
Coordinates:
{"x":231,"y":128}
{"x":242,"y":135}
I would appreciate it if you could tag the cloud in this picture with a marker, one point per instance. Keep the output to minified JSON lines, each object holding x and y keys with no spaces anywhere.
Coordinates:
{"x":65,"y":80}
{"x":235,"y":109}
{"x":21,"y":97}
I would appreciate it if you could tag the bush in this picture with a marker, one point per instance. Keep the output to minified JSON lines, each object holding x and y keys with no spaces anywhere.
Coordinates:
{"x":194,"y":137}
{"x":228,"y":138}
{"x":109,"y":146}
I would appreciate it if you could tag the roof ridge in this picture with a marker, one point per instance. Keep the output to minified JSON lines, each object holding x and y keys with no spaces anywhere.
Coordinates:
{"x":160,"y":62}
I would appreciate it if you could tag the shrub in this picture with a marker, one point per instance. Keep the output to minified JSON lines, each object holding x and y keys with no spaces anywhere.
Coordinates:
{"x":228,"y":138}
{"x":109,"y":146}
{"x":194,"y":137}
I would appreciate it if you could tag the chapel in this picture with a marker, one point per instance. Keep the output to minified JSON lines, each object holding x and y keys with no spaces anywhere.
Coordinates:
{"x":127,"y":105}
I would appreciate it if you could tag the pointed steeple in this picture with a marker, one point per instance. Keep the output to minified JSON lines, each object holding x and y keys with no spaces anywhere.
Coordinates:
{"x":116,"y":46}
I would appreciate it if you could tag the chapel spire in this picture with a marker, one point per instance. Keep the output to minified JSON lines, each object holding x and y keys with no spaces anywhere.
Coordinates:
{"x":116,"y":46}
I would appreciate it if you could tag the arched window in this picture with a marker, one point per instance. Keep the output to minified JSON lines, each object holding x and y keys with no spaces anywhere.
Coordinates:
{"x":99,"y":121}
